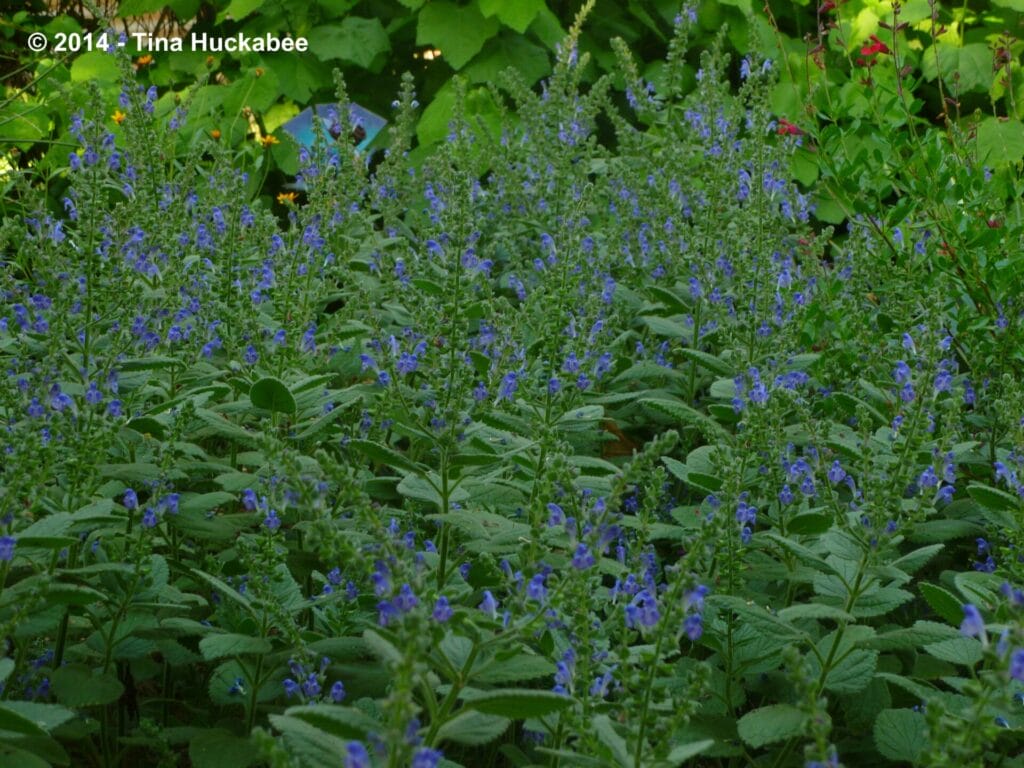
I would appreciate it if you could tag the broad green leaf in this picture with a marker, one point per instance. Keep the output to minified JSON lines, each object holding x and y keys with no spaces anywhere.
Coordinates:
{"x":459,"y":31}
{"x":218,"y":748}
{"x":971,"y":64}
{"x":710,"y":362}
{"x":815,"y":611}
{"x":219,"y":646}
{"x":75,"y":685}
{"x":611,"y":738}
{"x":987,"y":496}
{"x":343,"y":722}
{"x":1000,"y":141}
{"x":517,"y":14}
{"x":517,"y":703}
{"x":943,"y":602}
{"x":271,"y":394}
{"x":381,"y":647}
{"x":913,"y":561}
{"x":685,"y":415}
{"x":99,"y":67}
{"x":382,"y":454}
{"x":44,"y":716}
{"x":682,"y":753}
{"x":506,"y":51}
{"x":776,"y":722}
{"x":879,"y":601}
{"x":360,"y":41}
{"x":473,"y":728}
{"x":900,"y":734}
{"x":965,"y":651}
{"x":310,"y":746}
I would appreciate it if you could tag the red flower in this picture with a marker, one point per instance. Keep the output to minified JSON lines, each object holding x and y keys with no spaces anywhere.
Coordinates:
{"x":877,"y":46}
{"x":787,"y":128}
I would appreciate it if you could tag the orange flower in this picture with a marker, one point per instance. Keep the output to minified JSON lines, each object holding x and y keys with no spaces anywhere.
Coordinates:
{"x":144,"y":61}
{"x":118,"y":116}
{"x":269,"y":141}
{"x":215,"y":134}
{"x":287,"y":198}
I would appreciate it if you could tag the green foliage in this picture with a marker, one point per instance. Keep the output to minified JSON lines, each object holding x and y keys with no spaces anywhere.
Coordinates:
{"x":572,"y":437}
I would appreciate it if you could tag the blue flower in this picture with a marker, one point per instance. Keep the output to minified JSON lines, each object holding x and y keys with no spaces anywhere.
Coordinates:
{"x":442,"y":610}
{"x":583,"y":558}
{"x":356,"y":756}
{"x":536,"y":590}
{"x":272,"y":521}
{"x":836,"y":473}
{"x":7,"y":544}
{"x":785,"y":495}
{"x":509,"y":385}
{"x":1017,"y":665}
{"x":425,"y":757}
{"x":130,"y":500}
{"x":291,"y":688}
{"x":973,"y":625}
{"x":406,"y":599}
{"x":489,"y":605}
{"x":693,"y":626}
{"x":337,"y":692}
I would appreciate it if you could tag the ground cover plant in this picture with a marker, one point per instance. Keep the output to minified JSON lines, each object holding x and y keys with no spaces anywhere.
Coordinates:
{"x":542,"y":451}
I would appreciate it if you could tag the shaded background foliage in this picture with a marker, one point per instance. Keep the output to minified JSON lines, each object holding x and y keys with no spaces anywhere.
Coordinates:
{"x":969,"y":65}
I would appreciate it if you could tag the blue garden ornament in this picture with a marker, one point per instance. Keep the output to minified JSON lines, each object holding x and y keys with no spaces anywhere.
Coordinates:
{"x":365,"y":125}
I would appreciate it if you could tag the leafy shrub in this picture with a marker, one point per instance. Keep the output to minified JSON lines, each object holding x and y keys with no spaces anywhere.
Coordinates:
{"x":545,"y":450}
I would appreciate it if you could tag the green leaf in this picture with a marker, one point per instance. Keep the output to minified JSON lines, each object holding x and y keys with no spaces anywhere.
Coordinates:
{"x":220,"y":646}
{"x":607,"y":735}
{"x":686,"y":415}
{"x":684,"y":752}
{"x":358,"y":40}
{"x":853,"y":672}
{"x":943,"y":602}
{"x":95,"y":66}
{"x":517,"y":703}
{"x":971,"y":63}
{"x":218,"y":748}
{"x":382,"y":454}
{"x":271,"y":394}
{"x":239,"y":9}
{"x":878,"y":602}
{"x":900,"y":734}
{"x":517,"y":14}
{"x":710,"y":362}
{"x":460,"y":31}
{"x":815,"y":611}
{"x":1000,"y":142}
{"x":307,"y":744}
{"x":914,"y":561}
{"x":381,"y":647}
{"x":473,"y":728}
{"x":45,"y":716}
{"x":994,"y":498}
{"x":6,"y":667}
{"x":766,"y":725}
{"x":75,"y":685}
{"x":343,"y":722}
{"x":508,"y":50}
{"x":15,"y":722}
{"x":966,"y":651}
